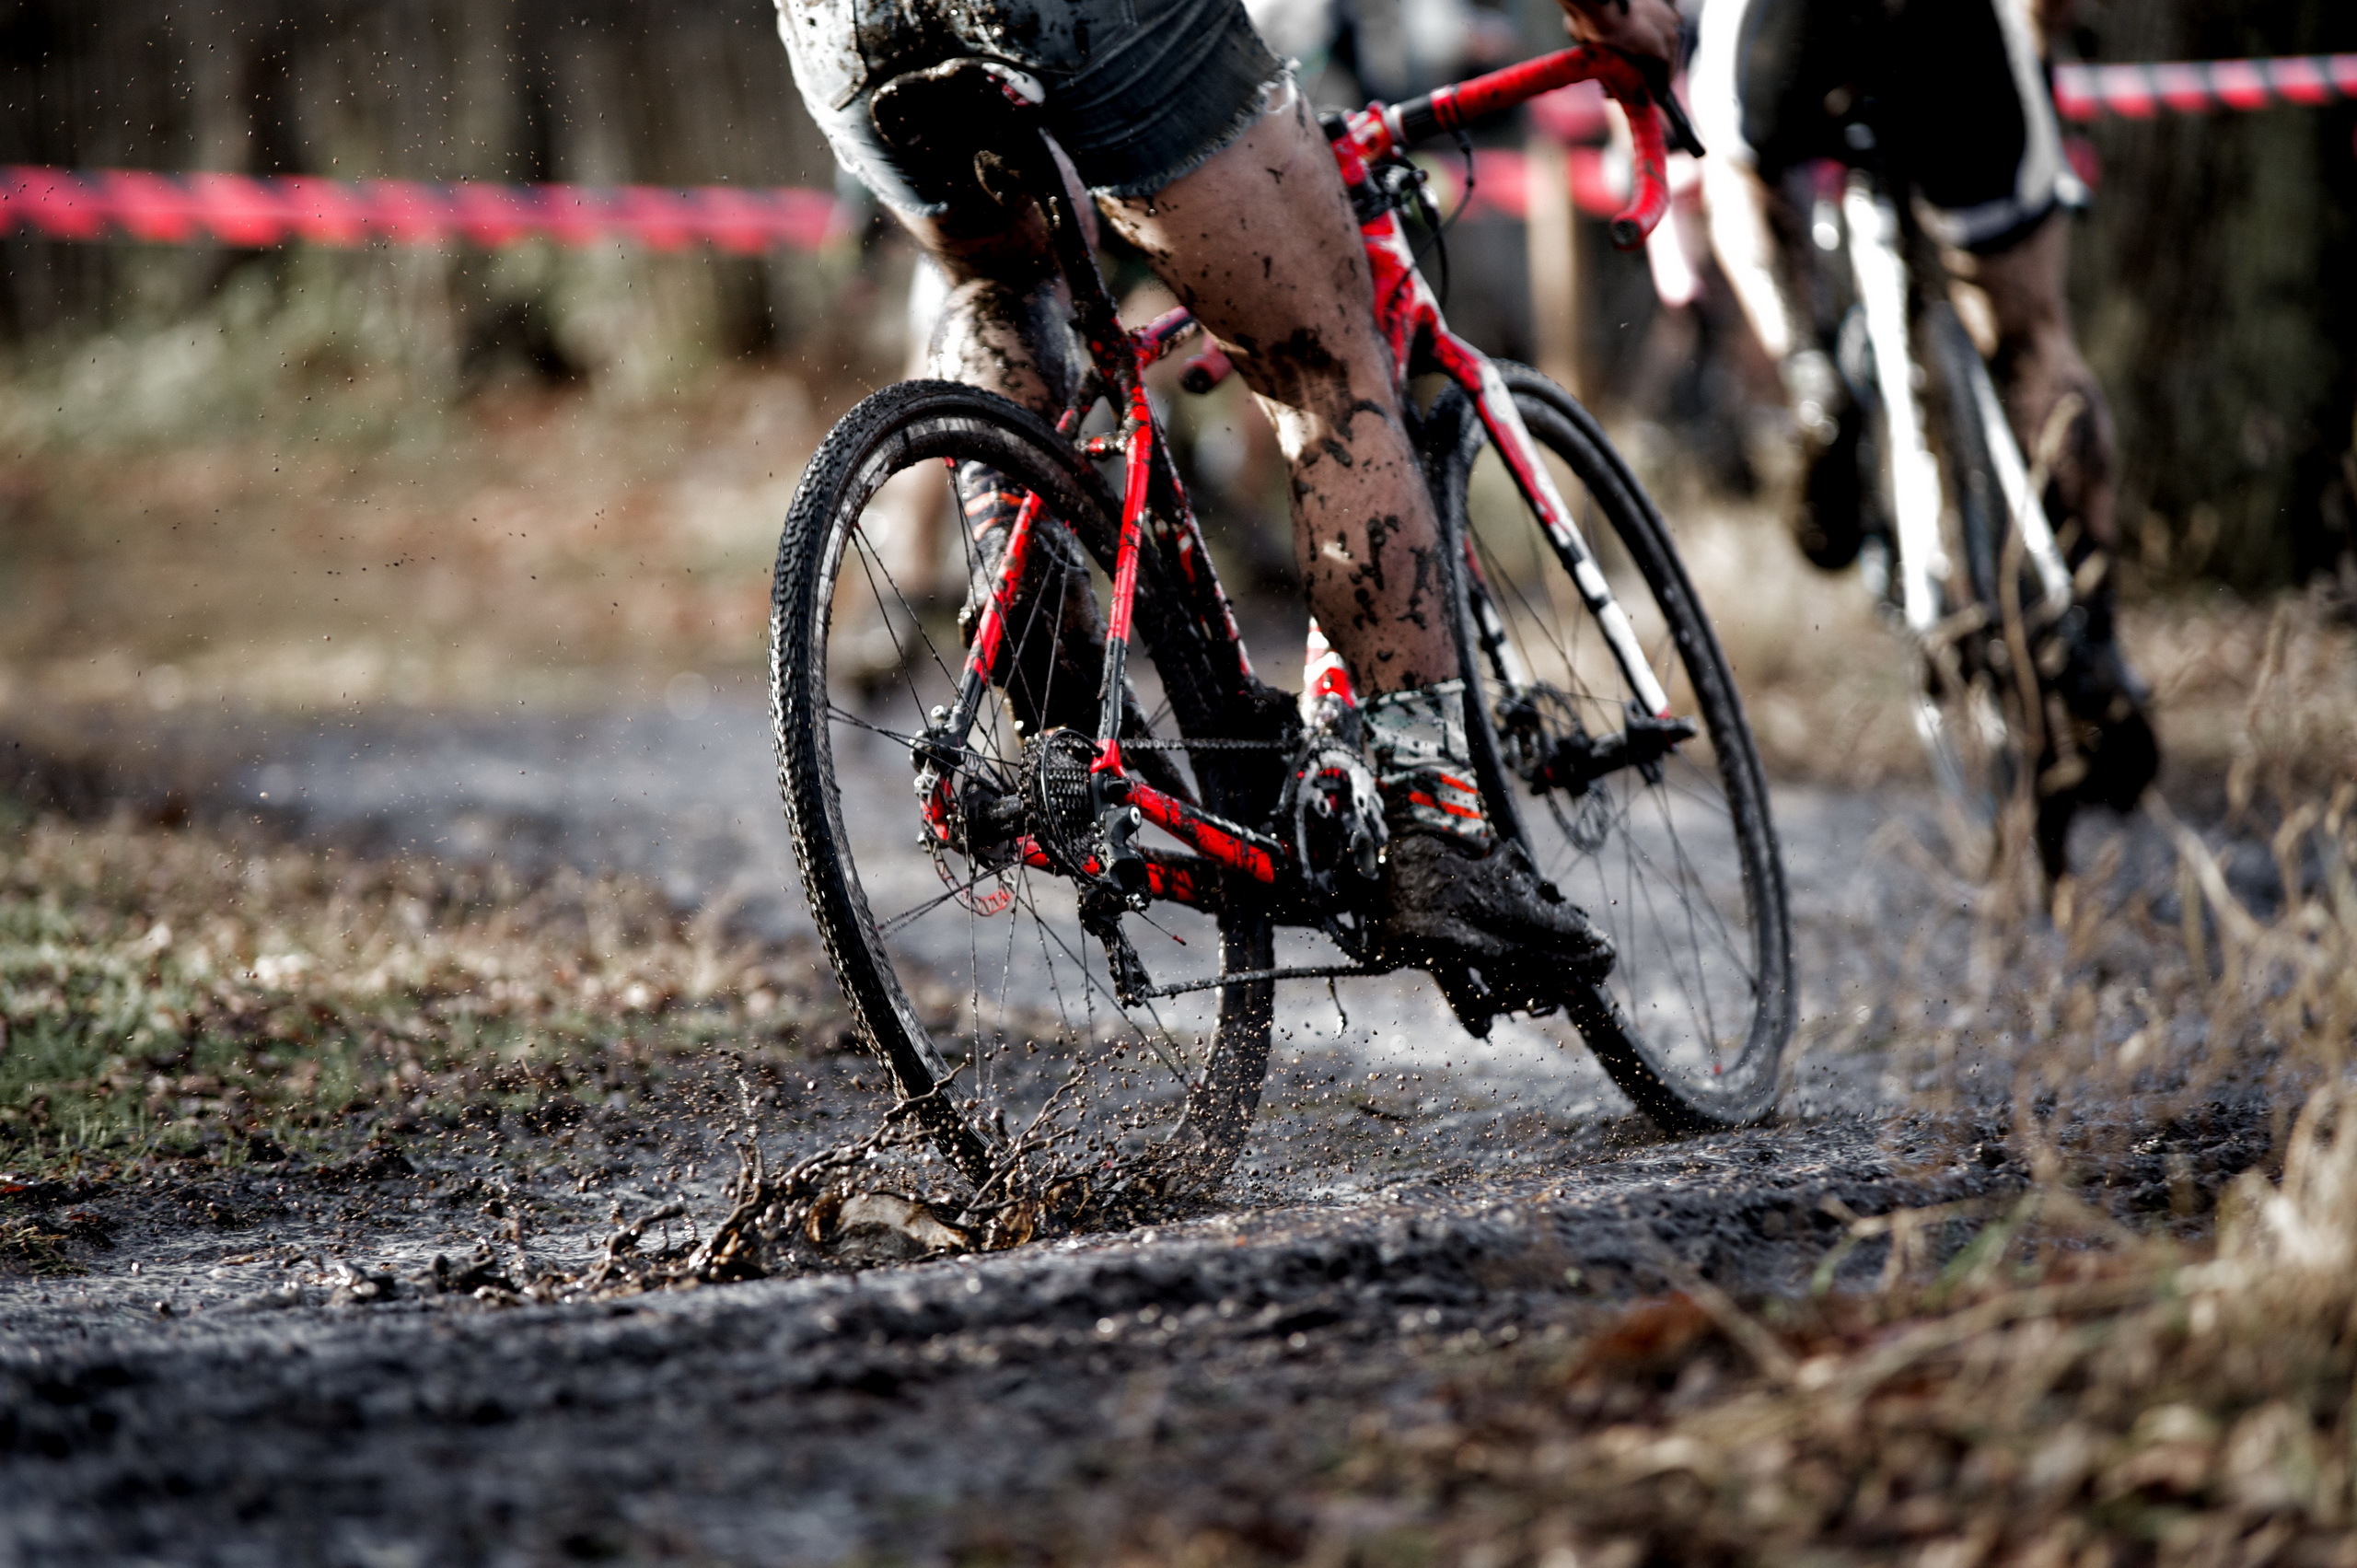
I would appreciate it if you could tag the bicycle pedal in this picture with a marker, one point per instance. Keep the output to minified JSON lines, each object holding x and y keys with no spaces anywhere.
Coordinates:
{"x":1471,"y":1000}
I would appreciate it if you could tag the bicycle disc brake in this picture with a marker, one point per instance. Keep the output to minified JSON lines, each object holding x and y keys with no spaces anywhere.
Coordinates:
{"x":962,"y":815}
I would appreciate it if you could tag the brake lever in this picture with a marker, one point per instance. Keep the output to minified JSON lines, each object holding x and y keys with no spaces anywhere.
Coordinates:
{"x":1656,"y":75}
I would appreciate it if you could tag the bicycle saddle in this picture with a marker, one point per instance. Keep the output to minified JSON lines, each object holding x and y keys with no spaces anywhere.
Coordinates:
{"x":955,"y":115}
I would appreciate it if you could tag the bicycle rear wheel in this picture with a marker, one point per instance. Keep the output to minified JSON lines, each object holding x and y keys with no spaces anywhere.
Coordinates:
{"x":968,"y":968}
{"x":1674,"y":860}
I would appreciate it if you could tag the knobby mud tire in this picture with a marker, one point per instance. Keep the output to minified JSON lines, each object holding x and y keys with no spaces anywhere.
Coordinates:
{"x":922,"y":422}
{"x":1746,"y":1088}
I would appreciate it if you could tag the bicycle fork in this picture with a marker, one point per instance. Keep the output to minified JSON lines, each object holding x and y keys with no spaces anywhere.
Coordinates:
{"x":1494,"y":402}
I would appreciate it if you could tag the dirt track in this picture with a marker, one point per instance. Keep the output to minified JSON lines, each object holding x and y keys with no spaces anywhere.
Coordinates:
{"x":246,"y":1397}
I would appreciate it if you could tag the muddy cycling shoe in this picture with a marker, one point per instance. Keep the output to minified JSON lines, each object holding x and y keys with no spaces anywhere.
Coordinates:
{"x":1838,"y":508}
{"x":2112,"y":709}
{"x":2112,"y":753}
{"x":1454,"y":900}
{"x":1496,"y":937}
{"x":1836,"y":513}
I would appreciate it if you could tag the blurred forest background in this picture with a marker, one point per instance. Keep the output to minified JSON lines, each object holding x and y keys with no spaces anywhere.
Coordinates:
{"x":2213,"y":285}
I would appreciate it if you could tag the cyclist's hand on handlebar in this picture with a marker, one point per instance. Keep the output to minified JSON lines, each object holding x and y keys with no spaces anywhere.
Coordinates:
{"x":1648,"y":34}
{"x":1645,"y":29}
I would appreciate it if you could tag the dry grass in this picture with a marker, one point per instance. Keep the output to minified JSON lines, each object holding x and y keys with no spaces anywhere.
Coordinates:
{"x":2264,"y":696}
{"x":181,"y":992}
{"x":528,"y":545}
{"x":2035,"y":1384}
{"x":2140,"y":1403}
{"x":1826,"y":681}
{"x":351,"y":547}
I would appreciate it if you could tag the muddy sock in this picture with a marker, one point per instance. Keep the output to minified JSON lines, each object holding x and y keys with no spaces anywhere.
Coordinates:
{"x":987,"y":505}
{"x":1424,"y":765}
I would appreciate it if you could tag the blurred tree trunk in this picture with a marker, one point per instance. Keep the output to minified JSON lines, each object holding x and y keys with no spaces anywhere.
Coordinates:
{"x":2215,"y":285}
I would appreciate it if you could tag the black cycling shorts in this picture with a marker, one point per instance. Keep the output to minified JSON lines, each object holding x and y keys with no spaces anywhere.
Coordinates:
{"x":1958,"y":93}
{"x":1139,"y":92}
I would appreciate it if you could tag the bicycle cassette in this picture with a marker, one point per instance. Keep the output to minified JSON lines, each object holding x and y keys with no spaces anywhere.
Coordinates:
{"x":1063,"y":808}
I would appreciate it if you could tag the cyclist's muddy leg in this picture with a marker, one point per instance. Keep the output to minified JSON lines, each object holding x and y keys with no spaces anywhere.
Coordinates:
{"x":1259,"y":243}
{"x":1005,"y":323}
{"x":2056,"y":407}
{"x":2064,"y":427}
{"x":1004,"y":326}
{"x":1762,"y":240}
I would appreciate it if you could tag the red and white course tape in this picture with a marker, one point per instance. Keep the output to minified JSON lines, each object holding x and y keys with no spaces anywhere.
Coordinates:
{"x":237,"y":209}
{"x":2203,"y":86}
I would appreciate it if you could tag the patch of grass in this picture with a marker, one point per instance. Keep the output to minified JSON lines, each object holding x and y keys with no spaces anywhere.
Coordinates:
{"x":541,"y":546}
{"x":184,"y":993}
{"x":30,"y":1248}
{"x":2060,"y":1389}
{"x":2133,"y":1401}
{"x":1826,"y":681}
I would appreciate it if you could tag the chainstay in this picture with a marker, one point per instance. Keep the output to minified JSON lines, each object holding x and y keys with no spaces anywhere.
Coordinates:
{"x":1128,"y":745}
{"x":1254,"y":977}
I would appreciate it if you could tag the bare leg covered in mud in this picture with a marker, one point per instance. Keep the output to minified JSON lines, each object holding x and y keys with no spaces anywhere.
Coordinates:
{"x":1259,"y":242}
{"x":2051,"y":397}
{"x":2063,"y":424}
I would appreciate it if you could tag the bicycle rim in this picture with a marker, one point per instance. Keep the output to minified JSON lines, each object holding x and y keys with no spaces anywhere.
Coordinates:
{"x":1679,"y":868}
{"x":971,"y":974}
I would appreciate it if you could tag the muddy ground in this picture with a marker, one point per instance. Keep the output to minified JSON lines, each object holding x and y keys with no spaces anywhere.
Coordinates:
{"x":319,"y":1361}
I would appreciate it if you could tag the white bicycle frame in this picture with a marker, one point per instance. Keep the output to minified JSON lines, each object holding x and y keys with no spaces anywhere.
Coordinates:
{"x":1918,"y":498}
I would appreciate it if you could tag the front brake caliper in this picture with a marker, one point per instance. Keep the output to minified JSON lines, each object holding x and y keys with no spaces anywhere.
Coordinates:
{"x":934,"y":757}
{"x":1564,"y":756}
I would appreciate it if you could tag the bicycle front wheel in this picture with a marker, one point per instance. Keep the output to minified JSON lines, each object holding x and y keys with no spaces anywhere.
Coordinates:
{"x":1671,"y":852}
{"x":1980,"y":721}
{"x":965,"y":958}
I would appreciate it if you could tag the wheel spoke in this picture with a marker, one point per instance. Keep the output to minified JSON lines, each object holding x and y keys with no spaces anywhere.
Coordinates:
{"x":1026,"y":1014}
{"x":1695,"y":994}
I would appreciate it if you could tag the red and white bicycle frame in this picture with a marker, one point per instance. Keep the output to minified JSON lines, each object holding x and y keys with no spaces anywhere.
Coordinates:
{"x":1420,"y":339}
